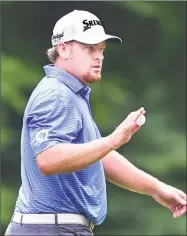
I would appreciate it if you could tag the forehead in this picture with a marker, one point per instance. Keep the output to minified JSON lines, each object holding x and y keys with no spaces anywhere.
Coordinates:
{"x":100,"y":45}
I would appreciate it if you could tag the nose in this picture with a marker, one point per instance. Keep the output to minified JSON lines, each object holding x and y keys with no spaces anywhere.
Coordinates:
{"x":99,"y":56}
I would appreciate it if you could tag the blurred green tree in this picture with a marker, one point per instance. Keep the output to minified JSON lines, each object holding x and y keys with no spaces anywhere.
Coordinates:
{"x":148,"y":69}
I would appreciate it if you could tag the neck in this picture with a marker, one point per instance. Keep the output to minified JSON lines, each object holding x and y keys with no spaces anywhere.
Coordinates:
{"x":60,"y":65}
{"x":63,"y":67}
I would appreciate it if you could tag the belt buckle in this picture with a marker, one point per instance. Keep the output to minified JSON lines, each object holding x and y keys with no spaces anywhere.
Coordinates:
{"x":91,"y":226}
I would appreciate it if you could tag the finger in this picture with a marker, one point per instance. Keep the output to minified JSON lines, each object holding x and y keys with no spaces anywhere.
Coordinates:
{"x":176,"y":207}
{"x":136,"y":114}
{"x":141,"y":110}
{"x":129,"y":126}
{"x":175,"y":212}
{"x":182,"y":210}
{"x":179,"y":206}
{"x":183,"y":195}
{"x":179,"y":210}
{"x":135,"y":129}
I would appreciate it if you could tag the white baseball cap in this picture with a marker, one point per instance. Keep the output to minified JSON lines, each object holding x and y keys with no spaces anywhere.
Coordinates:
{"x":81,"y":26}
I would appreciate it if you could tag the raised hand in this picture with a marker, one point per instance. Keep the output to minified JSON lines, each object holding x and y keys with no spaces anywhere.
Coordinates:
{"x":127,"y":128}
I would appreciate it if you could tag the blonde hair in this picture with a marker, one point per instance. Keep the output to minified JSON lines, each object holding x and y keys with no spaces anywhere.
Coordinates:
{"x":52,"y":54}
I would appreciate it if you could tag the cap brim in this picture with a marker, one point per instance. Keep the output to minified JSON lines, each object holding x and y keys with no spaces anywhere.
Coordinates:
{"x":113,"y":39}
{"x":98,"y":39}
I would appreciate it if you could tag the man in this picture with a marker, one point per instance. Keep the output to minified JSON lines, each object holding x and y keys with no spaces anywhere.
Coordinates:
{"x":64,"y":159}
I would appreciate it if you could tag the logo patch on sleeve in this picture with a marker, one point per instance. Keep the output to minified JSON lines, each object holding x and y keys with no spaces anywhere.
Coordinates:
{"x":42,"y":135}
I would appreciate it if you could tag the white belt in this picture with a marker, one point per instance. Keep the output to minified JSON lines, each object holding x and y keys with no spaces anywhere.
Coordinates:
{"x":64,"y":218}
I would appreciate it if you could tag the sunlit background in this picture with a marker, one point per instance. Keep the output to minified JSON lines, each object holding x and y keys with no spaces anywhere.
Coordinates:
{"x":148,"y":70}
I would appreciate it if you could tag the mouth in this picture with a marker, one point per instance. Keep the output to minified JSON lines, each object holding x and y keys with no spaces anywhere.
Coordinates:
{"x":97,"y":67}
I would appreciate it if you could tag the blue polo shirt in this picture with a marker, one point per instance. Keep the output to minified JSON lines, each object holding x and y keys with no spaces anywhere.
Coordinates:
{"x":58,"y":111}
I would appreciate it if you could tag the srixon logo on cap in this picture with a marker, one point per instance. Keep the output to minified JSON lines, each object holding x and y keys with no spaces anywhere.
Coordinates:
{"x":89,"y":23}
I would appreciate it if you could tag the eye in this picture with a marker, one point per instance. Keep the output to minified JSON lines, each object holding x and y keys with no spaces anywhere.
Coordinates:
{"x":91,"y":48}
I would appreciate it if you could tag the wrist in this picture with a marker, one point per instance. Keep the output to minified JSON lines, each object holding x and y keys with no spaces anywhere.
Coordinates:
{"x":113,"y":142}
{"x":155,"y":187}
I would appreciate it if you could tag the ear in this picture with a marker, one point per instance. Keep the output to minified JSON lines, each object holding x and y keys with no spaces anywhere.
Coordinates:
{"x":63,"y":50}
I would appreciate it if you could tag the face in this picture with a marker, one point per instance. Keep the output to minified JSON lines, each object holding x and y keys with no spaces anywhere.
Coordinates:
{"x":85,"y":61}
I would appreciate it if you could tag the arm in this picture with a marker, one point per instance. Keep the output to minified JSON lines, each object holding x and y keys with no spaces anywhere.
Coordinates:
{"x":121,"y":172}
{"x":68,"y":157}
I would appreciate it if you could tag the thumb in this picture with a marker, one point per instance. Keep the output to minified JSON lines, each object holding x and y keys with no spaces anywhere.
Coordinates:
{"x":135,"y":129}
{"x":180,"y":200}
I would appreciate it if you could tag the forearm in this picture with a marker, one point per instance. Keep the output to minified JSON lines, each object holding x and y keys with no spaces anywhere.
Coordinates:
{"x":66,"y":157}
{"x":121,"y":172}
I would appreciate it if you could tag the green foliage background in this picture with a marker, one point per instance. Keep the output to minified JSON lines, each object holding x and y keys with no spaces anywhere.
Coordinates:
{"x":148,"y":69}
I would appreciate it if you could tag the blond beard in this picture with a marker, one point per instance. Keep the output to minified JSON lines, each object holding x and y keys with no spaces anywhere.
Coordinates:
{"x":89,"y":78}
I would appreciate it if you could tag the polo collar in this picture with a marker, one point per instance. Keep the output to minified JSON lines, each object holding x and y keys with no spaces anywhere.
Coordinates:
{"x":68,"y":79}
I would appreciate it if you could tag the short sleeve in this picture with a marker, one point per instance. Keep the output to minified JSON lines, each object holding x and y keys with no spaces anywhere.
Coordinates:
{"x":52,"y":120}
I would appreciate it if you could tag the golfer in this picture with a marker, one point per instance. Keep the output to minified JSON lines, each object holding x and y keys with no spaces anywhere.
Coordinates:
{"x":64,"y":160}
